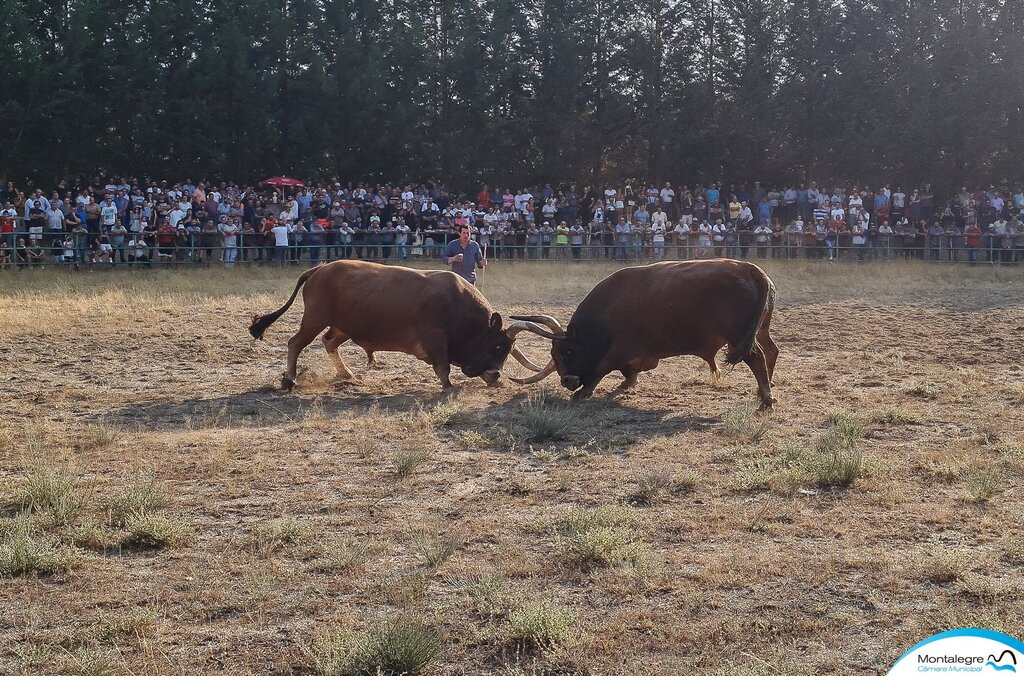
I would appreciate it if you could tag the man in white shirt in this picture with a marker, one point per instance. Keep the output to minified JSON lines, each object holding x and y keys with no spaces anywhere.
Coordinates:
{"x":668,"y":200}
{"x":402,"y":239}
{"x":682,"y":235}
{"x":108,"y":213}
{"x":176,"y":216}
{"x":658,"y":235}
{"x":229,"y":232}
{"x":280,"y":232}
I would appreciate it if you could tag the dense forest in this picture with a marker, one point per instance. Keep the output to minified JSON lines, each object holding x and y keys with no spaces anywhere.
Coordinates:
{"x":515,"y":91}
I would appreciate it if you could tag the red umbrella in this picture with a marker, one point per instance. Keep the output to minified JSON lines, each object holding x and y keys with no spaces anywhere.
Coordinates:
{"x":283,"y":182}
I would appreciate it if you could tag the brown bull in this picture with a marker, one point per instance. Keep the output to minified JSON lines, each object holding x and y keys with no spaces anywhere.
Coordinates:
{"x":639,"y":315}
{"x":434,"y":315}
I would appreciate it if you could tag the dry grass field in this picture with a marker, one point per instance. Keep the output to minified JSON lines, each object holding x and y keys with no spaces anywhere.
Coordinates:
{"x":165,"y":510}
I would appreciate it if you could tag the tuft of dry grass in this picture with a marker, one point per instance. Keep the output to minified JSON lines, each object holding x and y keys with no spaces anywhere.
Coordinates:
{"x":407,"y":460}
{"x":23,"y":551}
{"x":279,"y":534}
{"x":151,"y":531}
{"x":434,"y":548}
{"x":983,"y":483}
{"x":657,"y":484}
{"x":140,"y":496}
{"x":545,"y":417}
{"x":402,"y":644}
{"x":942,"y":566}
{"x":895,"y":416}
{"x":52,"y":488}
{"x":541,"y":625}
{"x":744,"y":423}
{"x":603,"y":537}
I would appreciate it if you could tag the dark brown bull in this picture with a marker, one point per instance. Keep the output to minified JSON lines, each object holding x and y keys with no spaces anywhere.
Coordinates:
{"x":639,"y":315}
{"x":434,"y":315}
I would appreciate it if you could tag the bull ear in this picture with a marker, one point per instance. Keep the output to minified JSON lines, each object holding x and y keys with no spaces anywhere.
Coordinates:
{"x":495,"y":322}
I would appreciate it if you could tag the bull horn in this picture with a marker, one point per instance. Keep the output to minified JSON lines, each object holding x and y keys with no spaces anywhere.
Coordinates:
{"x":536,"y":377}
{"x":546,"y":320}
{"x":524,"y":360}
{"x":516,"y":327}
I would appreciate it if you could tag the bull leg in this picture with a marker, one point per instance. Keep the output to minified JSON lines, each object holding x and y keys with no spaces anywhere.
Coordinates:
{"x":757,"y":363}
{"x":584,"y":392}
{"x":371,"y":361}
{"x":306,"y":334}
{"x":436,"y":347}
{"x":332,"y":340}
{"x":771,"y":350}
{"x":716,"y":373}
{"x":630,"y":374}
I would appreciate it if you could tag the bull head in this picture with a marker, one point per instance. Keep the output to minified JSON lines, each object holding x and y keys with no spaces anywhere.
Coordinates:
{"x":536,"y":324}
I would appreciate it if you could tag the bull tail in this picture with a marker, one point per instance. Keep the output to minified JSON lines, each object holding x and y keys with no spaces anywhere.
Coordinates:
{"x":260,"y":323}
{"x":748,"y":343}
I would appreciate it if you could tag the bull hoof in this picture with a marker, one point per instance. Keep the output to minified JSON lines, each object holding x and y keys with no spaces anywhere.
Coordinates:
{"x":767,"y":406}
{"x":287,"y":383}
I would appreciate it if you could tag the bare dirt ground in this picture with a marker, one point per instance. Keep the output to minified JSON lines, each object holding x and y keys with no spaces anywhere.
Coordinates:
{"x":188,"y":518}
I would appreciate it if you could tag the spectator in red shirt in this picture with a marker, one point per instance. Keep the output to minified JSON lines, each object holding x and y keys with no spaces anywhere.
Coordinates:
{"x":484,"y":199}
{"x":972,"y":238}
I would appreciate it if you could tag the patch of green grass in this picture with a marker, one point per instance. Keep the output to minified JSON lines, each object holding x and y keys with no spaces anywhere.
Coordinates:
{"x":541,"y":625}
{"x":401,"y":645}
{"x":25,"y":552}
{"x":140,"y":496}
{"x":151,"y":531}
{"x":545,"y":417}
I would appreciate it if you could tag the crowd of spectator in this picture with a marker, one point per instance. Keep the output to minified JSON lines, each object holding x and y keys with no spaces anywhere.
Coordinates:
{"x":146,"y":223}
